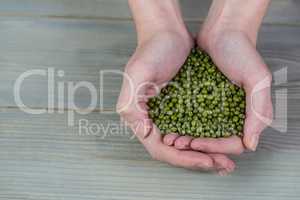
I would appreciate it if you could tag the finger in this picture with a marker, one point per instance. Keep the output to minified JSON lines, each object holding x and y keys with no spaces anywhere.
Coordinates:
{"x":169,"y":139}
{"x":231,"y":145}
{"x":259,"y":111}
{"x":189,"y":159}
{"x":132,"y":101}
{"x":223,"y":164}
{"x":186,"y":159}
{"x":141,"y":128}
{"x":183,"y":142}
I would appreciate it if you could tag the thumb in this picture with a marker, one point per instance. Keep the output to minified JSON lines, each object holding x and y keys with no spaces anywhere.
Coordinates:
{"x":259,"y":111}
{"x":132,"y":102}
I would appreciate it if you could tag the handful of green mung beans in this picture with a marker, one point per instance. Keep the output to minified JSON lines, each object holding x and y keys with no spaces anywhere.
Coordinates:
{"x":199,"y":101}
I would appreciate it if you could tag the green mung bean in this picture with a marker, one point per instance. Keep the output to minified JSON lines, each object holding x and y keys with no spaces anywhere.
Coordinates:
{"x":199,"y":101}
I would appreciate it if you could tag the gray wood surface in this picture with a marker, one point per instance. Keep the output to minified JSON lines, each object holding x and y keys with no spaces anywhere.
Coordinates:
{"x":91,"y":46}
{"x":281,"y":11}
{"x":43,"y":158}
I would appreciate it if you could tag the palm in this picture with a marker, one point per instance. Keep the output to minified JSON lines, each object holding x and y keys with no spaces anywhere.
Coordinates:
{"x":235,"y":55}
{"x":157,"y":61}
{"x":237,"y":58}
{"x":161,"y":57}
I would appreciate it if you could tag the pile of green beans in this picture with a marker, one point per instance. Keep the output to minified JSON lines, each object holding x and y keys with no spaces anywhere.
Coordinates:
{"x":199,"y":101}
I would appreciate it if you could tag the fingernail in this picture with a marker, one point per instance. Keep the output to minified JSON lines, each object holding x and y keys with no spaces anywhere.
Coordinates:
{"x":223,"y":172}
{"x":183,"y":146}
{"x":230,"y":168}
{"x":253,"y":142}
{"x":141,"y":129}
{"x":169,"y":142}
{"x":146,"y":124}
{"x":205,"y":165}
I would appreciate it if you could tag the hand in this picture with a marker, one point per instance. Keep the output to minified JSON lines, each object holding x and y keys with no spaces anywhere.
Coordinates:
{"x":235,"y":54}
{"x":229,"y":35}
{"x":156,"y":61}
{"x":230,"y":40}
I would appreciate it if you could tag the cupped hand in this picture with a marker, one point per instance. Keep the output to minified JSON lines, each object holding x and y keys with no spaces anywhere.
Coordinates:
{"x":155,"y":62}
{"x":235,"y":54}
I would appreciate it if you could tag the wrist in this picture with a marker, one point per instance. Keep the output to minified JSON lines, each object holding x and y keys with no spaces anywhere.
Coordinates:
{"x":155,"y":17}
{"x":239,"y":16}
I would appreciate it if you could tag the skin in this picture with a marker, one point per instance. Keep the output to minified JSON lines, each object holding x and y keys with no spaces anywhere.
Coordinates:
{"x":163,"y":45}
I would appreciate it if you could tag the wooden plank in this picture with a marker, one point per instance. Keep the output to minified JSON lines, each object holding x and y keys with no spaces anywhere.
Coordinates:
{"x":67,"y":8}
{"x":280,"y":11}
{"x":82,"y":48}
{"x":42,"y":158}
{"x":87,"y":49}
{"x":284,"y":12}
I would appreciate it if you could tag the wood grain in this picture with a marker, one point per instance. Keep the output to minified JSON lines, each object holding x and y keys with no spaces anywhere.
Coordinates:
{"x":282,"y":12}
{"x":84,"y":48}
{"x":43,"y":158}
{"x":279,"y":12}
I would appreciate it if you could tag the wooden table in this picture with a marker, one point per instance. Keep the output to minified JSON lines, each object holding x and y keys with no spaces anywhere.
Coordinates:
{"x":41,"y":157}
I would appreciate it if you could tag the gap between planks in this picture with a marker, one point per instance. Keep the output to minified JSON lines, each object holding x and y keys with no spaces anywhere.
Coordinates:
{"x":125,"y":19}
{"x":17,"y":108}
